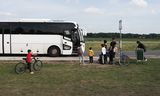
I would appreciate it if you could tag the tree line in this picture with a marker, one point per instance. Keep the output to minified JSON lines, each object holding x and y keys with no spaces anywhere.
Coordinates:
{"x":126,"y":35}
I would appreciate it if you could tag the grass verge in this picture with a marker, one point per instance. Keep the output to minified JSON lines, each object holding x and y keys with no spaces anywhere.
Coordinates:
{"x":85,"y":80}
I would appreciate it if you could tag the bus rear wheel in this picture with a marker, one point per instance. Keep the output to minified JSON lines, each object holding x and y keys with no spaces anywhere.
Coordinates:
{"x":53,"y":51}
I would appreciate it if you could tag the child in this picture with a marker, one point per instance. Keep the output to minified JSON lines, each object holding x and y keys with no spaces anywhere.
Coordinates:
{"x":28,"y":60}
{"x":107,"y":51}
{"x":90,"y":54}
{"x":103,"y":53}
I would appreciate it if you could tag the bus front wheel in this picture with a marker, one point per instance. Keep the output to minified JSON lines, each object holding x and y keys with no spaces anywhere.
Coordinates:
{"x":53,"y":51}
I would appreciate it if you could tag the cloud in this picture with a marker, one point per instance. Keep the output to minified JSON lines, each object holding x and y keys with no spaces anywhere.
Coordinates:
{"x":94,"y":10}
{"x":140,"y":3}
{"x":70,"y":1}
{"x":6,"y":14}
{"x":114,"y":1}
{"x":154,"y":12}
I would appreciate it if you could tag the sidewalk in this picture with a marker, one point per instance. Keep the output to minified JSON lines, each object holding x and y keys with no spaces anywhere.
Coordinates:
{"x":65,"y":58}
{"x":47,"y":58}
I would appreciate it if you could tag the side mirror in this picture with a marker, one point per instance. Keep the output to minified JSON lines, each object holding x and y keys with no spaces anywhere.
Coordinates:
{"x":67,"y":32}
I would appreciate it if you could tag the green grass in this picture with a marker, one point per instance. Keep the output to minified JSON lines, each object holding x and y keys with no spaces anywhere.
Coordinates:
{"x":128,"y":44}
{"x":124,"y":39}
{"x":89,"y":80}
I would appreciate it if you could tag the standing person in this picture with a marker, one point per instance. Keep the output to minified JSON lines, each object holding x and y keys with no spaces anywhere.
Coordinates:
{"x":28,"y":60}
{"x":107,"y":52}
{"x":105,"y":43}
{"x":141,"y":46}
{"x":90,"y":54}
{"x":103,"y":54}
{"x":80,"y":54}
{"x":112,"y":51}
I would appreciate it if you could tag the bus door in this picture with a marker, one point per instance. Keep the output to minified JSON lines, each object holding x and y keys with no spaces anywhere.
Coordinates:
{"x":75,"y":40}
{"x":1,"y":41}
{"x":67,"y":44}
{"x":6,"y":41}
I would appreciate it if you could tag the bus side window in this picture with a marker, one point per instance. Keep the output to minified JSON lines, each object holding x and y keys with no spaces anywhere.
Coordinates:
{"x":7,"y":31}
{"x":32,"y":31}
{"x":18,"y":30}
{"x":1,"y":31}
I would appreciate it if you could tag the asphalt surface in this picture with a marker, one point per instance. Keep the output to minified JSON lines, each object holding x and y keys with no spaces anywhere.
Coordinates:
{"x":131,"y":54}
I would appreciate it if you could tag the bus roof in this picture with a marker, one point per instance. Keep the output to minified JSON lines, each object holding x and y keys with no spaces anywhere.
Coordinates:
{"x":40,"y":21}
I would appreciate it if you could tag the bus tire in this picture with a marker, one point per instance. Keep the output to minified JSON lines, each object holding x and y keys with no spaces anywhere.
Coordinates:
{"x":53,"y":51}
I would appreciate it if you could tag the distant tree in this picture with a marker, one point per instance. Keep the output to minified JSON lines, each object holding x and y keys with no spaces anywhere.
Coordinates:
{"x":126,"y":35}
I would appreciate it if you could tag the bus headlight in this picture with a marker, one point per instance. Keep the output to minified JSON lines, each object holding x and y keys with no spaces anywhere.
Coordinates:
{"x":66,"y":47}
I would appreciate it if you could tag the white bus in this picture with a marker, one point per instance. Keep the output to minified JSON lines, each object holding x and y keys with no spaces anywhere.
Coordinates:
{"x":54,"y":38}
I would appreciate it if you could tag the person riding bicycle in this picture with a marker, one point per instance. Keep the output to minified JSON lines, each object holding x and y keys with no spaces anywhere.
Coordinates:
{"x":28,"y":61}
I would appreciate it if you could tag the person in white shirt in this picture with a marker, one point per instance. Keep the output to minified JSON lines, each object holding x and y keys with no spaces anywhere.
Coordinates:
{"x":80,"y":53}
{"x":107,"y":51}
{"x":103,"y":52}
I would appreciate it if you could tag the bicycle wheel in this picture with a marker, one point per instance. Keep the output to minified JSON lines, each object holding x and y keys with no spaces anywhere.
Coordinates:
{"x":20,"y":68}
{"x":37,"y":65}
{"x":124,"y":60}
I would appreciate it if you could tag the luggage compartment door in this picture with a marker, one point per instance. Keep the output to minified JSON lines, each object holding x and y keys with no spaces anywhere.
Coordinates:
{"x":7,"y":44}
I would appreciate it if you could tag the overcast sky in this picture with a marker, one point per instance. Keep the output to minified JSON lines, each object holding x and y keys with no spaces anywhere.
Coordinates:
{"x":138,"y":16}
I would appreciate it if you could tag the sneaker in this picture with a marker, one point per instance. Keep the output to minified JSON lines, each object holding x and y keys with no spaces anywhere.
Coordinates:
{"x":145,"y":59}
{"x":31,"y":72}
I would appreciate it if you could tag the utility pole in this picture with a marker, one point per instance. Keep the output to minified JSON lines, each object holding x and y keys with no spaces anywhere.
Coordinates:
{"x":120,"y":41}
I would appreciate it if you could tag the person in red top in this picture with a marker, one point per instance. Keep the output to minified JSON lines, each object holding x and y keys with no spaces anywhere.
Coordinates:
{"x":28,"y":60}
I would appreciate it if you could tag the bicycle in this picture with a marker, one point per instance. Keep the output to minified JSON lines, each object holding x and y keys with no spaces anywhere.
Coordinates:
{"x":21,"y":67}
{"x":124,"y":60}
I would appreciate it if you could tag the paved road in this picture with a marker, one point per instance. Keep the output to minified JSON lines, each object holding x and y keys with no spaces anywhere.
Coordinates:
{"x":148,"y":54}
{"x":132,"y":54}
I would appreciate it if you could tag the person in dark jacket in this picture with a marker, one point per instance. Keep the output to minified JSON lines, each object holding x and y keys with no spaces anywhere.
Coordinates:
{"x":111,"y":51}
{"x":141,"y":46}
